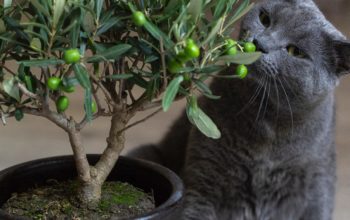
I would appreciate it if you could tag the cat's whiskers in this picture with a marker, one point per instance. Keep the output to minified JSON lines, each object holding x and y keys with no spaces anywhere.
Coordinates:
{"x":254,"y":96}
{"x":262,"y":100}
{"x":288,"y":102}
{"x":278,"y":99}
{"x":291,"y":89}
{"x":268,"y":97}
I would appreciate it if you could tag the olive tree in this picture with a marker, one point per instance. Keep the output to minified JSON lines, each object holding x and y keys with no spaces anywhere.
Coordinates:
{"x":166,"y":48}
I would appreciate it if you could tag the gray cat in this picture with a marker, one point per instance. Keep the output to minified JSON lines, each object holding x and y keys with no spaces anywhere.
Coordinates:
{"x":276,"y":157}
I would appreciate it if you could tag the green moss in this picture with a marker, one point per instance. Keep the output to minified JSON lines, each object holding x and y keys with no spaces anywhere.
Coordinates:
{"x":56,"y":201}
{"x":120,"y":194}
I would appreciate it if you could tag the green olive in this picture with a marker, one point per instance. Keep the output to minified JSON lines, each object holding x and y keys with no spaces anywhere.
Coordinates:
{"x":174,"y":66}
{"x":68,"y":89}
{"x":94,"y":107}
{"x":249,"y":47}
{"x":230,"y":43}
{"x":232,"y":51}
{"x":242,"y":71}
{"x":71,"y":56}
{"x":191,"y":49}
{"x":62,"y":104}
{"x":139,"y":18}
{"x":53,"y":83}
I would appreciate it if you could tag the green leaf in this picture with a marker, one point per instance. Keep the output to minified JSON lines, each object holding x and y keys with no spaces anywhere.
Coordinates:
{"x":35,"y":44}
{"x":2,"y":26}
{"x":58,"y":8}
{"x":120,"y":76}
{"x":241,"y":58}
{"x":70,"y":81}
{"x":158,"y":34}
{"x":171,"y":6}
{"x":219,"y":8}
{"x":40,"y":8}
{"x":111,"y":53}
{"x":11,"y":89}
{"x":99,"y":6}
{"x":150,"y":59}
{"x":82,"y":76}
{"x":214,"y":31}
{"x":170,"y":92}
{"x":7,"y":3}
{"x":195,"y":9}
{"x":212,"y":69}
{"x":89,"y":22}
{"x":202,"y":121}
{"x":41,"y":63}
{"x":19,"y":114}
{"x":108,"y":25}
{"x":29,"y":83}
{"x":243,"y":9}
{"x":205,"y":89}
{"x":88,"y":104}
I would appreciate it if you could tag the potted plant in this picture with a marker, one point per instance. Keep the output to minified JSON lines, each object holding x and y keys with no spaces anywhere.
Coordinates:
{"x":165,"y":49}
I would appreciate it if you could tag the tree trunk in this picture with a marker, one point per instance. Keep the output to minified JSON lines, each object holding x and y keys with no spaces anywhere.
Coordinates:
{"x":89,"y":193}
{"x":91,"y":178}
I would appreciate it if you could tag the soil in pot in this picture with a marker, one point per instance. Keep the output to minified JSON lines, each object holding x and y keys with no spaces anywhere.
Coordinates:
{"x":55,"y":201}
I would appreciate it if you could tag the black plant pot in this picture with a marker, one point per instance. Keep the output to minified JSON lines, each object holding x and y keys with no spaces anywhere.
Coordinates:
{"x":166,"y":185}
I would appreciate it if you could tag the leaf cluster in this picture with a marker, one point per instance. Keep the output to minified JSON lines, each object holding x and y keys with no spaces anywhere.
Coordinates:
{"x":117,"y":56}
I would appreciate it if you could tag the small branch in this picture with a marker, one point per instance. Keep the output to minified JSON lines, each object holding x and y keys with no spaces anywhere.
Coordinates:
{"x":46,"y":100}
{"x":9,"y":70}
{"x":26,"y":91}
{"x":103,"y":89}
{"x":3,"y":117}
{"x":150,"y":105}
{"x":58,"y":119}
{"x":162,"y":55}
{"x":33,"y":111}
{"x":140,"y":121}
{"x":121,"y":82}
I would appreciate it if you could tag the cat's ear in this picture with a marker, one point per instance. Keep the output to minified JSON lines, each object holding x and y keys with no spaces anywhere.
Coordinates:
{"x":341,"y":56}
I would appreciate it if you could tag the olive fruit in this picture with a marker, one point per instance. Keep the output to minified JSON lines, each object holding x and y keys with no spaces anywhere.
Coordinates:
{"x":54,"y":83}
{"x":68,"y":89}
{"x":231,"y":48}
{"x":191,"y":49}
{"x":71,"y":56}
{"x":174,"y":66}
{"x":249,"y":47}
{"x":62,"y":104}
{"x":241,"y":71}
{"x":138,"y":18}
{"x":93,"y":107}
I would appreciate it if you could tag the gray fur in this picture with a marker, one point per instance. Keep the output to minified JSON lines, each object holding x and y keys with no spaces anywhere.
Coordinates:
{"x":276,"y":157}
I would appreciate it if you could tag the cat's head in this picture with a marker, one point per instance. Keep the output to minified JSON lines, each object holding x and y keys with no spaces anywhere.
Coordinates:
{"x":301,"y":49}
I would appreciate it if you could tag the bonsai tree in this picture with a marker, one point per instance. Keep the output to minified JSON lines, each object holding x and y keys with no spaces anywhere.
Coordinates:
{"x":166,"y":48}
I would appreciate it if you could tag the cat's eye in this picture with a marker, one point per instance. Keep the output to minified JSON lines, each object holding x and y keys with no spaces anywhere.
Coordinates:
{"x":296,"y":52}
{"x":265,"y":19}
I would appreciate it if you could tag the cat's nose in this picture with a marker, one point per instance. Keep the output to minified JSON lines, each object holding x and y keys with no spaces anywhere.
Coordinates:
{"x":260,"y":46}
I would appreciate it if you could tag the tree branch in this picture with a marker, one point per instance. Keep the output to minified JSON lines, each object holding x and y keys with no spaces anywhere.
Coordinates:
{"x":26,"y":91}
{"x":141,"y":121}
{"x":162,"y":55}
{"x":81,"y":162}
{"x":115,"y":144}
